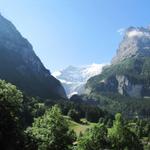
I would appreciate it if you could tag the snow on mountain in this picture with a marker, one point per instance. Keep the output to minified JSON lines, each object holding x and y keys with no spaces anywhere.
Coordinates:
{"x":74,"y":78}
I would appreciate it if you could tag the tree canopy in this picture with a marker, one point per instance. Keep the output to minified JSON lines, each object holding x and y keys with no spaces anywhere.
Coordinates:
{"x":51,"y":131}
{"x":10,"y":109}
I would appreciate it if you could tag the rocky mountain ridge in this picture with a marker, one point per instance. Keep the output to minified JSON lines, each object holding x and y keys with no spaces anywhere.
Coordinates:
{"x":129,"y":73}
{"x":136,"y":42}
{"x":20,"y":65}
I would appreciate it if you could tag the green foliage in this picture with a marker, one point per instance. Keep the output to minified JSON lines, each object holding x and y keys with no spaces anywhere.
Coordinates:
{"x":32,"y":108}
{"x":93,"y":114}
{"x":140,"y":127}
{"x":74,"y":115}
{"x":51,"y":131}
{"x":94,"y":139}
{"x":10,"y":110}
{"x":10,"y":97}
{"x":129,"y":107}
{"x":121,"y":137}
{"x":84,"y":109}
{"x":136,"y":69}
{"x":109,"y":71}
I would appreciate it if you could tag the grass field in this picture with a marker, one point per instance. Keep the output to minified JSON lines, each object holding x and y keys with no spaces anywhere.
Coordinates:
{"x":79,"y":127}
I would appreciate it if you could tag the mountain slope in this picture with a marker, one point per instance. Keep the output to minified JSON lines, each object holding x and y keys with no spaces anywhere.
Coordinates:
{"x":74,"y":78}
{"x":20,"y":65}
{"x":129,"y":73}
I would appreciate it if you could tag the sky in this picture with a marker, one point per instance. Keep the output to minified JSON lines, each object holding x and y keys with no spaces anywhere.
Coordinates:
{"x":75,"y":32}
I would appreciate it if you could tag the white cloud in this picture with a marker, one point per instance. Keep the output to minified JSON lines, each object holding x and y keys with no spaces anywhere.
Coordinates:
{"x":92,"y":70}
{"x":121,"y":31}
{"x":56,"y":73}
{"x":64,"y":81}
{"x":137,"y":33}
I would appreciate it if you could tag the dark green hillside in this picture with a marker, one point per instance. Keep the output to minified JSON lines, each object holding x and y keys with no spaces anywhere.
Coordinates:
{"x":20,"y":65}
{"x":124,"y":86}
{"x":104,"y":88}
{"x":15,"y":70}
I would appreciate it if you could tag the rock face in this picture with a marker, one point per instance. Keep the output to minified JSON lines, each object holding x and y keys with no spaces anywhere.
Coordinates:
{"x":122,"y":85}
{"x":129,"y":73}
{"x":74,"y":78}
{"x":20,"y":65}
{"x":125,"y":87}
{"x":136,"y":42}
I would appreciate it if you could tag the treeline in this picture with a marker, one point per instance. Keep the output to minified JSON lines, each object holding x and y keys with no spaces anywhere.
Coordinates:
{"x":128,"y":106}
{"x":18,"y":112}
{"x":33,"y":124}
{"x":76,"y":108}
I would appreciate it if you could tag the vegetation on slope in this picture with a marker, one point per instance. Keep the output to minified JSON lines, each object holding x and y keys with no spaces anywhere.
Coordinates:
{"x":136,"y":69}
{"x":30,"y":124}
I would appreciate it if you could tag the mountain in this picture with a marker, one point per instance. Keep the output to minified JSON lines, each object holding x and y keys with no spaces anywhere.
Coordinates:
{"x":20,"y":65}
{"x":136,"y":42}
{"x":74,"y":78}
{"x":129,"y":72}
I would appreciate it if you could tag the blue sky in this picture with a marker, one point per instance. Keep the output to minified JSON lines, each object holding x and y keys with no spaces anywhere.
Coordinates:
{"x":75,"y":32}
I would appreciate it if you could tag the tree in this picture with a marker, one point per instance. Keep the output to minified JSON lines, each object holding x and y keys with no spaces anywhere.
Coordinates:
{"x":121,"y":137}
{"x":93,"y":114}
{"x":11,"y":136}
{"x":74,"y":115}
{"x":109,"y":123}
{"x":51,"y":131}
{"x":94,"y":139}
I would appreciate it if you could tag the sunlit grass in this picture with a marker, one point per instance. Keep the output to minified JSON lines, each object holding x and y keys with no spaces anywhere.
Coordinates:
{"x":79,"y":127}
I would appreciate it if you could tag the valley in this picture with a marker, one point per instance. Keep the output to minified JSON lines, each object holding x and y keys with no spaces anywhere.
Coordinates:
{"x":91,"y":107}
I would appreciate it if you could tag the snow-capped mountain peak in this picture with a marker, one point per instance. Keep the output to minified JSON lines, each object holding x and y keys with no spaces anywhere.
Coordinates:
{"x":74,"y":78}
{"x":92,"y":70}
{"x":56,"y":73}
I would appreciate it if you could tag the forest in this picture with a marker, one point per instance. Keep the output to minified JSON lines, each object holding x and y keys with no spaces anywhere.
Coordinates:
{"x":29,"y":123}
